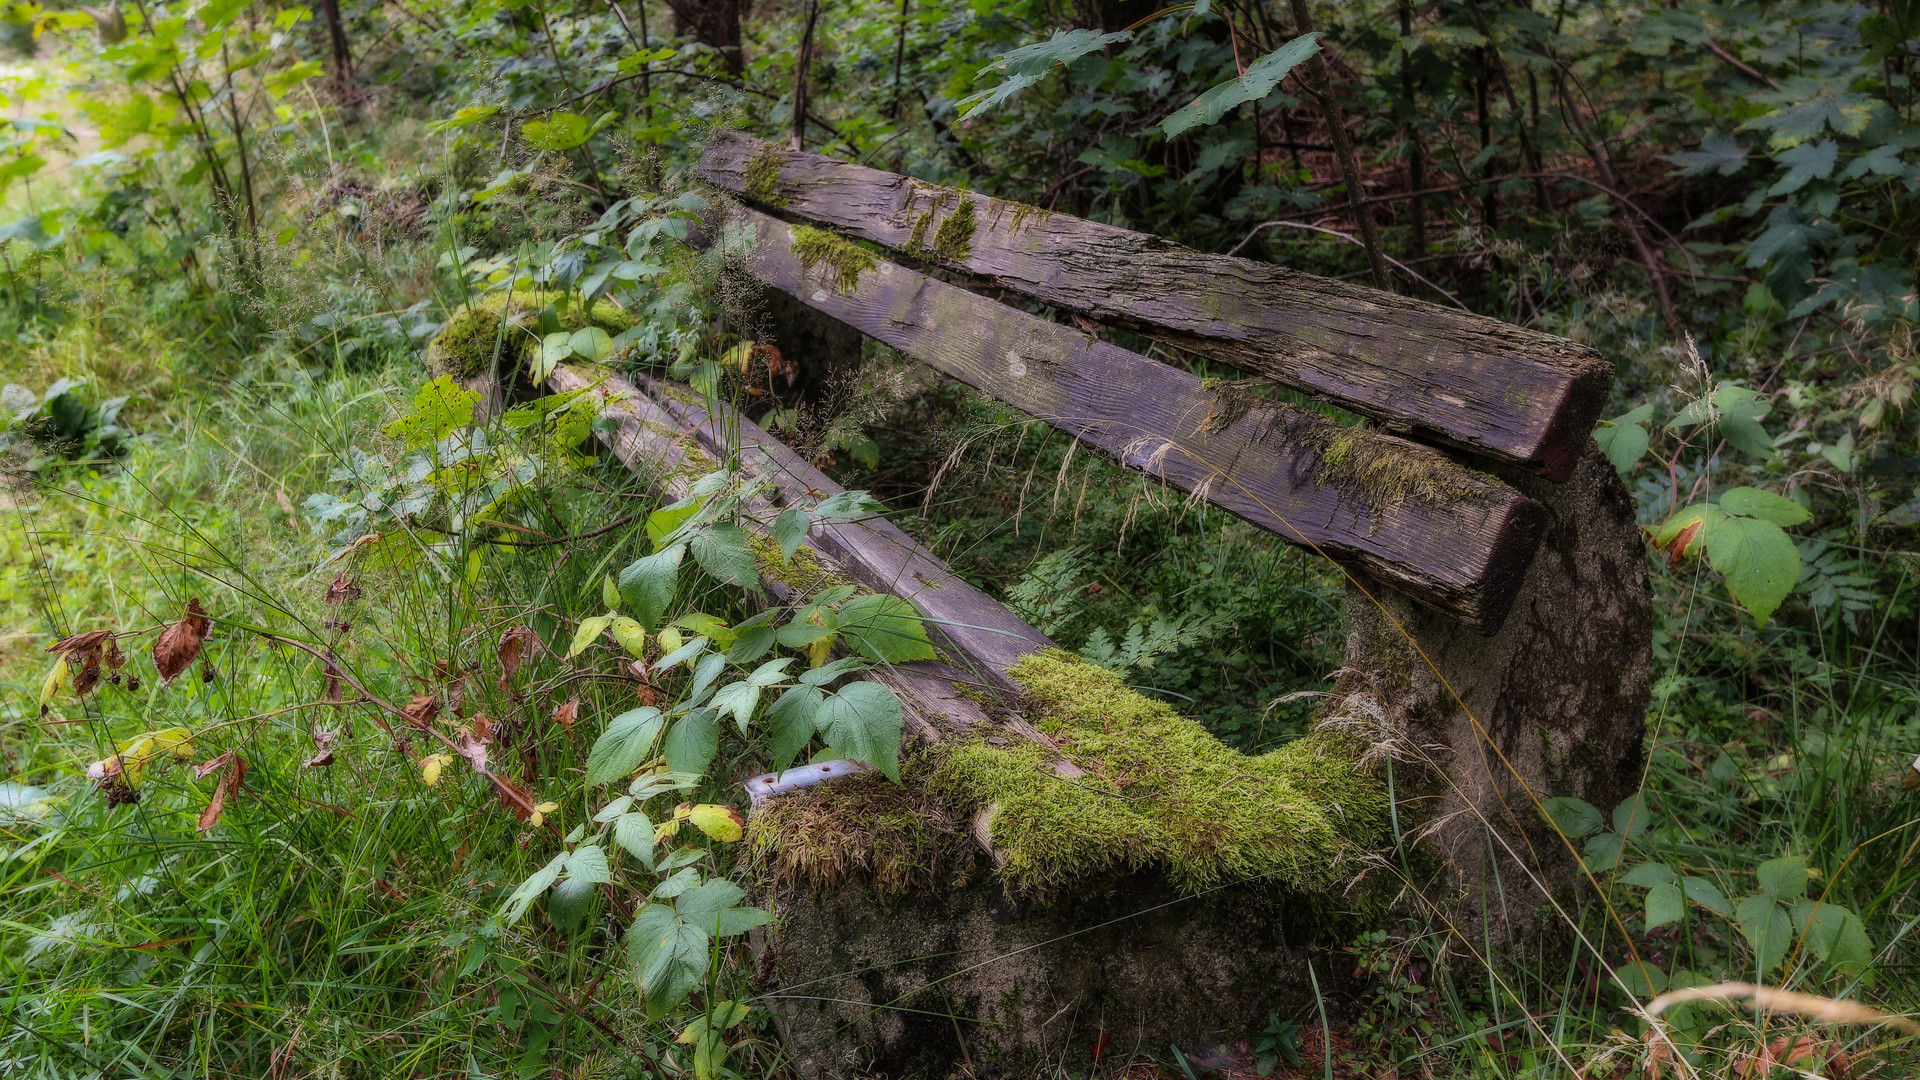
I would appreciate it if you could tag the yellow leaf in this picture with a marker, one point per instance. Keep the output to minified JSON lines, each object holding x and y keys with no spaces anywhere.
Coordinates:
{"x":589,"y":629}
{"x":631,"y":636}
{"x":722,"y":823}
{"x":56,"y":678}
{"x":540,"y":812}
{"x":430,"y":767}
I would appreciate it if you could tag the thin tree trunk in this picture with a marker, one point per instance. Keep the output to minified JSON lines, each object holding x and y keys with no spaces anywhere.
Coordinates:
{"x":712,"y":22}
{"x":800,"y":78}
{"x":1489,"y":199}
{"x":1344,"y":151}
{"x":337,"y":37}
{"x":899,"y":62}
{"x":1416,"y":157}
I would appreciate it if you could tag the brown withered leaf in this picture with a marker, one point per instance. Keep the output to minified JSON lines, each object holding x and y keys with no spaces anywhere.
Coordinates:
{"x":323,"y":750}
{"x":228,"y":786}
{"x":514,"y":797}
{"x":208,"y":672}
{"x":179,"y":644}
{"x":422,"y":711}
{"x":1677,"y":547}
{"x":114,"y":657}
{"x":471,"y":746}
{"x":482,"y":727}
{"x":516,"y":645}
{"x":342,"y":591}
{"x":83,"y":653}
{"x":566,"y":714}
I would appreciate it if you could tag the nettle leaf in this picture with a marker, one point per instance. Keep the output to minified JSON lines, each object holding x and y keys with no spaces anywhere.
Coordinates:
{"x":1261,"y":77}
{"x":884,"y":628}
{"x":863,"y":722}
{"x":791,"y":723}
{"x":624,"y":746}
{"x":1760,"y":563}
{"x":647,"y":584}
{"x":1765,"y":505}
{"x":790,"y":531}
{"x":1624,"y":438}
{"x":1028,"y":64}
{"x":1767,"y":929}
{"x":1574,"y":818}
{"x":1805,"y":163}
{"x":693,"y":741}
{"x":1717,"y":153}
{"x":722,"y":551}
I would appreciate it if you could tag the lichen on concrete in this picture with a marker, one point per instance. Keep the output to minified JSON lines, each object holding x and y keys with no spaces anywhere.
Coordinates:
{"x":844,"y":260}
{"x":1158,"y":791}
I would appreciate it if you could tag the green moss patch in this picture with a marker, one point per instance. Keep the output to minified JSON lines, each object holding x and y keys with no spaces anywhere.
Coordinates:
{"x":464,"y":346}
{"x":895,"y":837}
{"x":844,"y":260}
{"x":1159,"y":790}
{"x":1387,"y":472}
{"x":763,"y":179}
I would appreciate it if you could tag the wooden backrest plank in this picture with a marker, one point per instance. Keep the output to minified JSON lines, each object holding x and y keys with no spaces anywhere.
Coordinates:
{"x":1455,"y":539}
{"x":1512,"y":394}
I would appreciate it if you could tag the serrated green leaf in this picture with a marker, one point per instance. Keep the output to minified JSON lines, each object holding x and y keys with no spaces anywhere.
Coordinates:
{"x":588,"y":863}
{"x":1765,"y":505}
{"x":790,"y":531}
{"x":1602,"y":853}
{"x":1649,"y":874}
{"x":693,"y":741}
{"x":1641,"y":979}
{"x":1760,"y":563}
{"x":1784,"y":879}
{"x":1707,"y":895}
{"x":1261,"y":77}
{"x":668,"y":957}
{"x":559,"y":131}
{"x":662,"y":522}
{"x":738,"y":700}
{"x":1623,"y":443}
{"x":884,"y":628}
{"x":634,"y":832}
{"x":1631,"y":817}
{"x":1574,"y":818}
{"x":1805,"y":163}
{"x":1767,"y":929}
{"x":624,"y":746}
{"x":1028,"y":64}
{"x":1665,"y":904}
{"x":529,"y":890}
{"x":591,"y":344}
{"x":440,"y":408}
{"x":722,"y":551}
{"x":863,"y":721}
{"x":571,"y":902}
{"x":791,"y":722}
{"x":648,"y":583}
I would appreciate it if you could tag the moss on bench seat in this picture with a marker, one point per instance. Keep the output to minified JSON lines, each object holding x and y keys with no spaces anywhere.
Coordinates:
{"x":1159,"y":790}
{"x":463,"y":348}
{"x":1159,"y":793}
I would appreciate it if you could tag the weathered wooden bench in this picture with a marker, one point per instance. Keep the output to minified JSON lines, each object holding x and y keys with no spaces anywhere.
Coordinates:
{"x":1497,"y":654}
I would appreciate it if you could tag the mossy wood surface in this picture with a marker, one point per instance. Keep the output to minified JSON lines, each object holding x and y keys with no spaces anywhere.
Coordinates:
{"x":1484,"y":385}
{"x":469,"y":344}
{"x":1448,"y":536}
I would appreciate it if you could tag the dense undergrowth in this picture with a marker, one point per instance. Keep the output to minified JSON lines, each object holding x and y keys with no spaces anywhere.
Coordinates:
{"x":226,"y":256}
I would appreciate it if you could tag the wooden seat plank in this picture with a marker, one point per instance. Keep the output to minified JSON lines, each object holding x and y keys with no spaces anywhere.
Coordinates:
{"x":1477,"y":383}
{"x":1277,"y":467}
